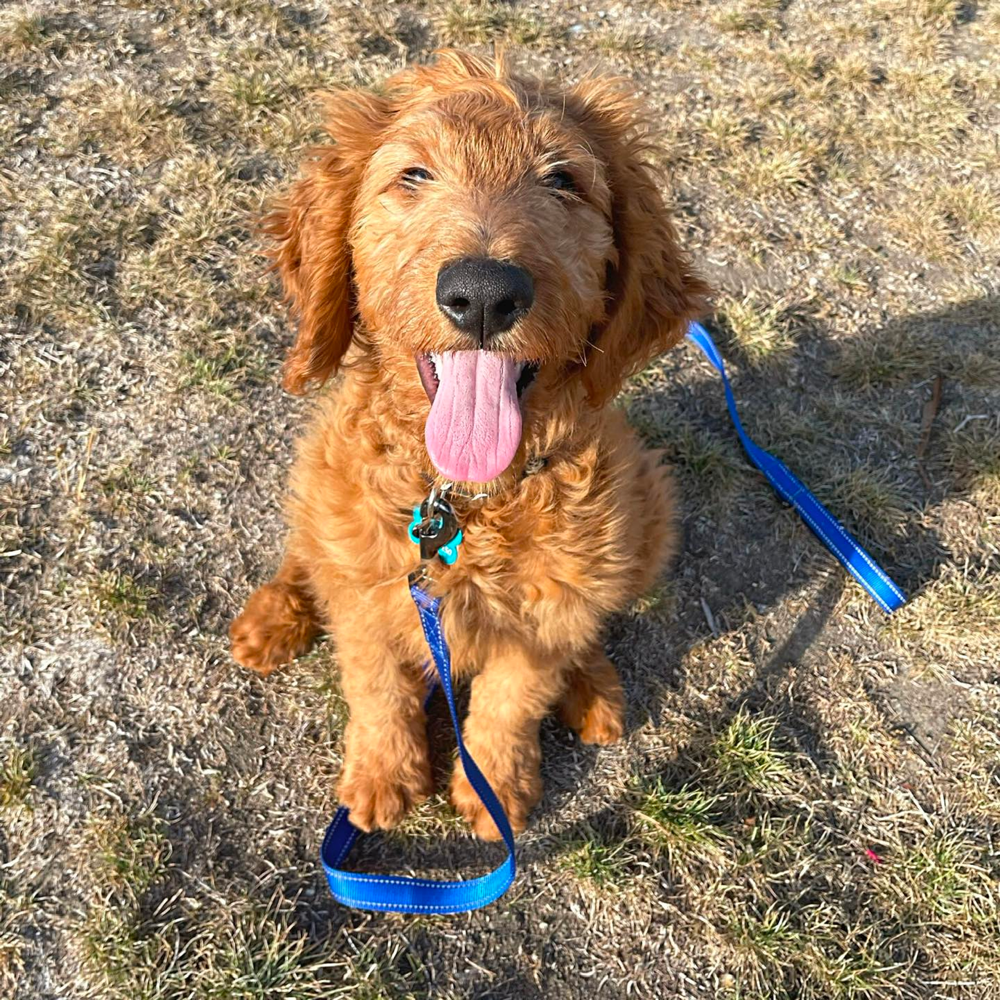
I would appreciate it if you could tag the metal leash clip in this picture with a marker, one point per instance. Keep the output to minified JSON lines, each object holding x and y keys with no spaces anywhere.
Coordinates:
{"x":435,"y":528}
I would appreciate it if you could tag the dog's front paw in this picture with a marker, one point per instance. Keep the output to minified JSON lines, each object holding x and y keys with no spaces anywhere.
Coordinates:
{"x":519,"y":791}
{"x":594,"y":703}
{"x":380,"y":795}
{"x":603,"y":722}
{"x":275,"y":627}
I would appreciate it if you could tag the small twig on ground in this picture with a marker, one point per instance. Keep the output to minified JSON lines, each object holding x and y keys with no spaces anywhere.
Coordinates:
{"x":927,"y":419}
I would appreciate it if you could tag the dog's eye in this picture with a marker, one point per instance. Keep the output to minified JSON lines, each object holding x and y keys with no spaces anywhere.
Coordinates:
{"x":414,"y":176}
{"x":560,"y":180}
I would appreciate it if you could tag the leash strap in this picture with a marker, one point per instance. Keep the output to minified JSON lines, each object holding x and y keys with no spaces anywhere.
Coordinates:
{"x":399,"y":893}
{"x":831,"y":532}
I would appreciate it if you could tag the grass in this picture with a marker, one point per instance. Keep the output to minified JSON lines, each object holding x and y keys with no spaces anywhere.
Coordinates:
{"x":749,"y":18}
{"x":759,"y":332}
{"x":974,"y":458}
{"x":598,"y":863}
{"x":481,"y":22}
{"x":895,"y":357}
{"x":225,"y":371}
{"x":22,"y":29}
{"x":768,"y":941}
{"x":18,"y":768}
{"x":959,"y":612}
{"x":121,"y":601}
{"x":138,"y":943}
{"x":679,"y":822}
{"x":946,"y":878}
{"x":829,"y":168}
{"x":620,"y":42}
{"x":870,"y":497}
{"x":745,"y":755}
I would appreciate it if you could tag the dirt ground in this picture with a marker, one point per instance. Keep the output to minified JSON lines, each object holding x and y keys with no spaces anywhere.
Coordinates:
{"x":807,"y":801}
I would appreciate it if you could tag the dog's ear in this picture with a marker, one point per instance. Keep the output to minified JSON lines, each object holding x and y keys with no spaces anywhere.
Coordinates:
{"x":311,"y":230}
{"x":652,"y":292}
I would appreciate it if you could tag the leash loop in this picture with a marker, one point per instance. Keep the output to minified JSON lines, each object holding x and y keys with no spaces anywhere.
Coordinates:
{"x":400,"y":893}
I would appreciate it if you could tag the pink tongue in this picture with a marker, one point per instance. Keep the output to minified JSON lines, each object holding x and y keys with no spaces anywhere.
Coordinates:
{"x":474,"y":426}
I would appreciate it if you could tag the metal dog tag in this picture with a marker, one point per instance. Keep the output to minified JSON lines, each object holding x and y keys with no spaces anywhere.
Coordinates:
{"x":435,"y":528}
{"x":439,"y":527}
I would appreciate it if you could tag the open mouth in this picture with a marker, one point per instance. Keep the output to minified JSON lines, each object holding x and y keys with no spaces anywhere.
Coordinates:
{"x":427,"y":368}
{"x":474,"y":427}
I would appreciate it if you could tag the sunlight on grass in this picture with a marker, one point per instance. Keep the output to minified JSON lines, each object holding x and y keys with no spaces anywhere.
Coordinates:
{"x":957,"y":612}
{"x":22,"y":29}
{"x":746,"y":757}
{"x":943,"y":878}
{"x":759,"y":331}
{"x":480,"y":21}
{"x":18,"y":768}
{"x":121,"y":600}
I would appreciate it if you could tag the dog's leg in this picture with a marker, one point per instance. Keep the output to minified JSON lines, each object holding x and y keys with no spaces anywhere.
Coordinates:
{"x":278,"y":622}
{"x":386,"y":764}
{"x":510,"y":697}
{"x":593,"y":703}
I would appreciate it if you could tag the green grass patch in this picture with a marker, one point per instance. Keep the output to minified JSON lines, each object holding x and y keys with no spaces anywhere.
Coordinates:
{"x":483,"y":21}
{"x":745,"y":756}
{"x":769,"y":940}
{"x":621,"y":42}
{"x":18,"y":770}
{"x":124,"y":594}
{"x":890,"y":357}
{"x":680,"y":822}
{"x":759,"y":331}
{"x":753,"y":18}
{"x":133,"y":850}
{"x":945,"y":878}
{"x":223,"y":370}
{"x":869,"y":497}
{"x":597,"y":860}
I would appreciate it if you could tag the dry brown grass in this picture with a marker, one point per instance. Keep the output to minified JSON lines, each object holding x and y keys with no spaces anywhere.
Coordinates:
{"x":805,"y":804}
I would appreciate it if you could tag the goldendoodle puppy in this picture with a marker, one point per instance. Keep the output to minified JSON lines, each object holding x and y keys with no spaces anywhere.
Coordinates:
{"x":484,"y":258}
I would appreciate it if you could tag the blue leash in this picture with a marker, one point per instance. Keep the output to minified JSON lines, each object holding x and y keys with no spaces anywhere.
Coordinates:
{"x":859,"y":564}
{"x":401,"y":894}
{"x":398,"y":893}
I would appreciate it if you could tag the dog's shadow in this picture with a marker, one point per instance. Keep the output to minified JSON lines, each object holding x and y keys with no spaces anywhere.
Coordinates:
{"x":852,"y":424}
{"x":745,"y":554}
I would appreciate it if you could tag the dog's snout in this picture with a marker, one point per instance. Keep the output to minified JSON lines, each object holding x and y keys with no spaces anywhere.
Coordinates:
{"x":484,"y":297}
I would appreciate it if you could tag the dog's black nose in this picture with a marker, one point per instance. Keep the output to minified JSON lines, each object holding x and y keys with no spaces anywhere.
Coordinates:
{"x":484,"y":297}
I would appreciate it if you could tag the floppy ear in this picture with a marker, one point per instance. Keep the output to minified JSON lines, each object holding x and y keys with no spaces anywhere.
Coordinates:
{"x":652,"y":291}
{"x":311,"y":227}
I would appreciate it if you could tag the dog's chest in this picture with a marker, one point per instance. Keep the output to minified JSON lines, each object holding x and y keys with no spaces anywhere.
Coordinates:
{"x":553,"y":575}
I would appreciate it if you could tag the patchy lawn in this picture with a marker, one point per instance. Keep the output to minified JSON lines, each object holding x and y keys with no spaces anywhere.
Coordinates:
{"x":807,"y":801}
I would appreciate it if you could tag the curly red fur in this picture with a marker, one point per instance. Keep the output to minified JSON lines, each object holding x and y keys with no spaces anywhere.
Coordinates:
{"x":546,"y":558}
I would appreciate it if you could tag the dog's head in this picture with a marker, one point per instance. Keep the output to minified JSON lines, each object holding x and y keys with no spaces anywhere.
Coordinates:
{"x":494,"y":242}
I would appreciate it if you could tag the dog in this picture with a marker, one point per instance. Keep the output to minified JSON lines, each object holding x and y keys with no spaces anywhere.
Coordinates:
{"x":484,"y":258}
